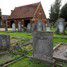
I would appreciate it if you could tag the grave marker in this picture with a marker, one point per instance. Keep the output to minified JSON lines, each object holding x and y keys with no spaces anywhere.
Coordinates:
{"x":43,"y":46}
{"x":4,"y":41}
{"x":29,"y":27}
{"x":6,"y":26}
{"x":60,"y":25}
{"x":39,"y":26}
{"x":19,"y":27}
{"x":13,"y":27}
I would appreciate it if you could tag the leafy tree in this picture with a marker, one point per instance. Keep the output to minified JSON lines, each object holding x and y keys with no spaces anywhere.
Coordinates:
{"x":63,"y":12}
{"x":54,"y":11}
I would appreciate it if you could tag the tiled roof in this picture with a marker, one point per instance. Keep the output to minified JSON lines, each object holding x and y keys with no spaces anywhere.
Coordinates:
{"x":24,"y":11}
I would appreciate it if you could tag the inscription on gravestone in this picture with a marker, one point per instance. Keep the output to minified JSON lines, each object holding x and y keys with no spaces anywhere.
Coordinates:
{"x":4,"y":41}
{"x":43,"y":46}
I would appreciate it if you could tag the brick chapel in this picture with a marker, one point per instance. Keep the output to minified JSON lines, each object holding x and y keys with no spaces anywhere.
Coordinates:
{"x":27,"y":14}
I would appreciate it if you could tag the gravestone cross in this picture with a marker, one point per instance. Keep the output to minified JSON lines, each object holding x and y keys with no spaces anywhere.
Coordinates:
{"x":43,"y":46}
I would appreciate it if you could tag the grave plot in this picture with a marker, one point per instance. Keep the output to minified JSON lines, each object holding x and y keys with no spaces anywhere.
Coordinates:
{"x":15,"y":51}
{"x":60,"y":52}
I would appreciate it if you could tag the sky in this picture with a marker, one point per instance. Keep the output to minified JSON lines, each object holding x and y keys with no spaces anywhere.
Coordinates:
{"x":8,"y":5}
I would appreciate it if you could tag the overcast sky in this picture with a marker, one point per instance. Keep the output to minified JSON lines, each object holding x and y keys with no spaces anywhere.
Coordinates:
{"x":8,"y":5}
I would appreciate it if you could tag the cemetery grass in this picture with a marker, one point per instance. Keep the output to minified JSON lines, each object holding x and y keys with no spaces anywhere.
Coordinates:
{"x":17,"y":34}
{"x":27,"y":63}
{"x":57,"y":38}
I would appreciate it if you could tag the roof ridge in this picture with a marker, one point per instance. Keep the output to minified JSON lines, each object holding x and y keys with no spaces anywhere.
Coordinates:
{"x":28,"y":5}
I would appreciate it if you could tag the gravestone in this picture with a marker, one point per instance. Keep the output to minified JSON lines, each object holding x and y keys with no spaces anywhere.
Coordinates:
{"x":4,"y":42}
{"x":39,"y":26}
{"x":29,"y":27}
{"x":19,"y":27}
{"x":47,"y":29}
{"x":44,"y":27}
{"x":48,"y":26}
{"x":43,"y":46}
{"x":6,"y":26}
{"x":60,"y":25}
{"x":13,"y":27}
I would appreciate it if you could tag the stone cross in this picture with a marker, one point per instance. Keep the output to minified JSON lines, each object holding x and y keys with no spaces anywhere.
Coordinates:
{"x":43,"y":46}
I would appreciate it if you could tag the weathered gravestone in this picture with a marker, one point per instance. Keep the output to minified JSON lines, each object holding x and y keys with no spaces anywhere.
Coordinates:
{"x":43,"y":46}
{"x":48,"y":26}
{"x":13,"y":27}
{"x":40,"y":26}
{"x":4,"y":42}
{"x":6,"y":26}
{"x":19,"y":27}
{"x":48,"y":29}
{"x":60,"y":25}
{"x":29,"y":27}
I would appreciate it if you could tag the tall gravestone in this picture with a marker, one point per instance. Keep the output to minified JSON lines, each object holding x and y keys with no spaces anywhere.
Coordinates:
{"x":40,"y":26}
{"x":60,"y":25}
{"x":13,"y":27}
{"x":29,"y":27}
{"x":4,"y":42}
{"x":43,"y":46}
{"x":6,"y":26}
{"x":19,"y":27}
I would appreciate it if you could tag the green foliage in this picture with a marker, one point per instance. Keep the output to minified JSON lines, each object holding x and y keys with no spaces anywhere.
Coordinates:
{"x":63,"y":12}
{"x":54,"y":11}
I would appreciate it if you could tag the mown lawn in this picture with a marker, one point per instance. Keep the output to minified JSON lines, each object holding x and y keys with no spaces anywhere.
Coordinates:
{"x":57,"y":38}
{"x":17,"y":34}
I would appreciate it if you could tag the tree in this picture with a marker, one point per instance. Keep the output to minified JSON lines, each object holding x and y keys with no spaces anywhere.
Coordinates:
{"x":63,"y":12}
{"x":54,"y":11}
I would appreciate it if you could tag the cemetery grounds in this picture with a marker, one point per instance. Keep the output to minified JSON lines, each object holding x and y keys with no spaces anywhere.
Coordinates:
{"x":21,"y":49}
